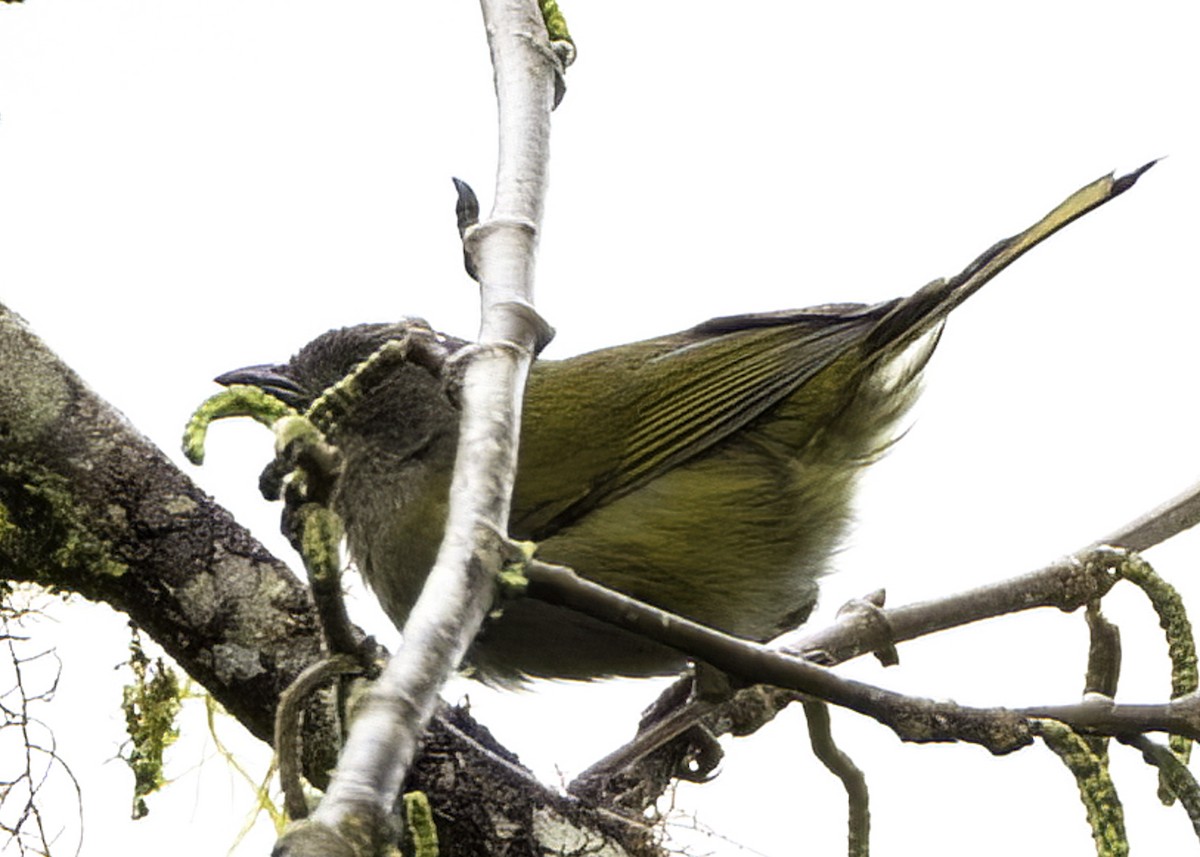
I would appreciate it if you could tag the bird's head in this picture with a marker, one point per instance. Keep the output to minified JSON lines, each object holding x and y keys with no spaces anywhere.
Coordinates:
{"x":321,"y":363}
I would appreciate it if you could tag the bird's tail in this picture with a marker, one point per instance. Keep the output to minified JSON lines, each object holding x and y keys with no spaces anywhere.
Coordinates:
{"x":921,"y":312}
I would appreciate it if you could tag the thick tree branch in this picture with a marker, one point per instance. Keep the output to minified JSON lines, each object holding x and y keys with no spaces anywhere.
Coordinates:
{"x":91,"y":506}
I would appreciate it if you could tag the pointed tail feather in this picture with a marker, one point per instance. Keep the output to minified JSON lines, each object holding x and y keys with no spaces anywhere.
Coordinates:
{"x":915,"y":315}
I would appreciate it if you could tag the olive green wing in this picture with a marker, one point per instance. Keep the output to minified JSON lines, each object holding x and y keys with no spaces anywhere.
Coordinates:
{"x":603,"y":424}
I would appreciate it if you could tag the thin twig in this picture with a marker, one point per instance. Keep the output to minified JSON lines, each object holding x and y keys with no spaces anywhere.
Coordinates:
{"x":1066,"y":584}
{"x":1182,"y":782}
{"x":1101,"y":716}
{"x":287,"y":726}
{"x":820,"y":735}
{"x":1181,"y":512}
{"x":914,"y":720}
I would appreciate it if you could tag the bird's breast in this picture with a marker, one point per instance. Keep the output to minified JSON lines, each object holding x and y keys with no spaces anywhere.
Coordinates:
{"x":395,"y":516}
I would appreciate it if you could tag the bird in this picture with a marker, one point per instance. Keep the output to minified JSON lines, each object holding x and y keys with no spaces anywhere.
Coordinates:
{"x":709,"y":472}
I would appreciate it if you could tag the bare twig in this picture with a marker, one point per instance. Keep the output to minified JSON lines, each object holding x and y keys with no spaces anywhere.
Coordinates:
{"x":26,"y":774}
{"x":1100,"y":716}
{"x":1182,"y":784}
{"x":842,"y":766}
{"x":1104,"y":665}
{"x":1066,"y":584}
{"x":1104,"y":654}
{"x":1181,"y":512}
{"x":913,"y":720}
{"x":287,"y":726}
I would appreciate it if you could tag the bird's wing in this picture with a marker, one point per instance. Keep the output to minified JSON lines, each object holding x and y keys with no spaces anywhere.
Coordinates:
{"x":603,"y":424}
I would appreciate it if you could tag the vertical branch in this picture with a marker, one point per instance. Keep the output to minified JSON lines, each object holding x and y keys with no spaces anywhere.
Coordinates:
{"x":503,"y":247}
{"x":460,"y":589}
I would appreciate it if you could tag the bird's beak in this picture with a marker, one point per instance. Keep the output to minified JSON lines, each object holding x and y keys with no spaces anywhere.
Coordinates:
{"x":269,"y":378}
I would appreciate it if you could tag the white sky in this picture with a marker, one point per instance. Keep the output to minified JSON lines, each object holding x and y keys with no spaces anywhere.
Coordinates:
{"x":188,"y":187}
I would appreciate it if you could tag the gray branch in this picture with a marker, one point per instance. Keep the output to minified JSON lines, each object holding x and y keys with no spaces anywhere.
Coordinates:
{"x":1066,"y":585}
{"x":460,"y":589}
{"x":91,"y":506}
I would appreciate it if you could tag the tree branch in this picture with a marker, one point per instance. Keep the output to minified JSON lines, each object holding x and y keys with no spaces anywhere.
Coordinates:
{"x":460,"y":588}
{"x":88,"y":505}
{"x":1066,"y":584}
{"x":1181,"y":512}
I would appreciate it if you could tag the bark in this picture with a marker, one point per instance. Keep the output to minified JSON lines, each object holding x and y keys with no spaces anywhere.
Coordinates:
{"x":91,"y":506}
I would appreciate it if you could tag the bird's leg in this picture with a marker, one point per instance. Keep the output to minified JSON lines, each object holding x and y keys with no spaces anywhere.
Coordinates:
{"x":672,"y":742}
{"x":304,"y":472}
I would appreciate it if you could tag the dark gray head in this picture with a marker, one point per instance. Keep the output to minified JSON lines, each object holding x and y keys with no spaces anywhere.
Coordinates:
{"x":321,"y":363}
{"x":392,"y":410}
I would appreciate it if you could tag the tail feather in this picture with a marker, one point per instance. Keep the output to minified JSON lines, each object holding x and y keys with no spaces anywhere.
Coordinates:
{"x":917,"y":314}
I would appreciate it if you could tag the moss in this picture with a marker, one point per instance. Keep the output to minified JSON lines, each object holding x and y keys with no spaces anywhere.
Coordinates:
{"x":150,"y":704}
{"x":556,"y":24}
{"x":320,"y":542}
{"x":44,"y":535}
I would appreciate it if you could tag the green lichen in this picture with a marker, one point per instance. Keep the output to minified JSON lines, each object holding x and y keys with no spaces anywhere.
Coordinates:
{"x":422,"y":831}
{"x":35,"y":396}
{"x":556,"y":24}
{"x":238,"y":400}
{"x":1181,"y":644}
{"x":151,"y":704}
{"x":340,"y":399}
{"x":260,"y":786}
{"x":320,"y":539}
{"x":513,"y":582}
{"x":1172,"y":618}
{"x":294,"y":430}
{"x":1105,"y":814}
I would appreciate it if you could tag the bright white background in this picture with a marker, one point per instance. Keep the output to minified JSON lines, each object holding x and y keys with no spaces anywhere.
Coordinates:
{"x":189,"y":187}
